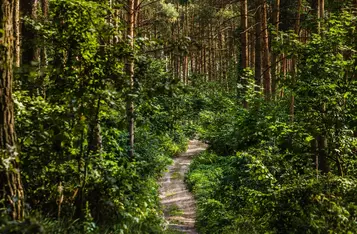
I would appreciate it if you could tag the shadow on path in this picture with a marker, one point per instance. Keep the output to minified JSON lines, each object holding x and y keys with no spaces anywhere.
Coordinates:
{"x":179,"y":204}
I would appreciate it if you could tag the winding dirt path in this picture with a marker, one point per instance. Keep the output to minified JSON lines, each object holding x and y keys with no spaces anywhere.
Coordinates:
{"x":178,"y":203}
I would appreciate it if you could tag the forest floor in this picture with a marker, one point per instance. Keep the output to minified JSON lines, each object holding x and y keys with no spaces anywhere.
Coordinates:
{"x":178,"y":203}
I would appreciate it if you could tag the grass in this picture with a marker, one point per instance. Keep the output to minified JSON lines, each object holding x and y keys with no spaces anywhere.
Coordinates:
{"x":176,"y":175}
{"x":170,"y":194}
{"x":174,"y":210}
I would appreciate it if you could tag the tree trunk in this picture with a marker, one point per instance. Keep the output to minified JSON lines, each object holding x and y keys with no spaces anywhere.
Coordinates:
{"x":274,"y":68}
{"x":45,"y":9}
{"x":130,"y":74}
{"x":283,"y":71}
{"x":244,"y":35}
{"x":244,"y":43}
{"x":266,"y":52}
{"x":17,"y":33}
{"x":258,"y":49}
{"x":320,"y":13}
{"x":293,"y":75}
{"x":30,"y":51}
{"x":11,"y":191}
{"x":252,"y":50}
{"x":322,"y":9}
{"x":322,"y":139}
{"x":323,"y":163}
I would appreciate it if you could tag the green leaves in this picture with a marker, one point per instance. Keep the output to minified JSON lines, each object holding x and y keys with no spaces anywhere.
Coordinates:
{"x":271,"y":185}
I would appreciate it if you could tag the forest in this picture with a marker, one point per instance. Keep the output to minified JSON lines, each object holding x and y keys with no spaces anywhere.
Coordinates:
{"x":98,"y":98}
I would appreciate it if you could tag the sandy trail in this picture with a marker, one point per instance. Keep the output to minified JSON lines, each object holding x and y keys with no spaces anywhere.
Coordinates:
{"x":179,"y":204}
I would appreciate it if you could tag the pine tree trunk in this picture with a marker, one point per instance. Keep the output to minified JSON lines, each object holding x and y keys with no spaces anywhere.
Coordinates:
{"x":318,"y":11}
{"x":244,"y":35}
{"x":244,"y":43}
{"x":283,"y":71}
{"x":258,"y":49}
{"x":266,"y":52}
{"x":293,"y":61}
{"x":17,"y":33}
{"x":11,"y":190}
{"x":30,"y":51}
{"x":275,"y":63}
{"x":45,"y":9}
{"x":130,"y":73}
{"x":252,"y":50}
{"x":322,"y":138}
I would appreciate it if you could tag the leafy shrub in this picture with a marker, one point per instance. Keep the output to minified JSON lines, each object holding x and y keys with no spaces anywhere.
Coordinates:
{"x":240,"y":194}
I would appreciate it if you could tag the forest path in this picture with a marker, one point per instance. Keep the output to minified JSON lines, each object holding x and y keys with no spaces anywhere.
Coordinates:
{"x":178,"y":203}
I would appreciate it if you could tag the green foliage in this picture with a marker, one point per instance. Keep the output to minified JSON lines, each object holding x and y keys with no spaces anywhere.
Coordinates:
{"x":243,"y":194}
{"x":263,"y":171}
{"x":72,"y":129}
{"x":262,"y":174}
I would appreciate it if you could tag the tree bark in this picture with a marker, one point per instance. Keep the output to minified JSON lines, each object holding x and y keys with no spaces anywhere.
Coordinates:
{"x":11,"y":190}
{"x":320,"y":14}
{"x":293,"y":61}
{"x":17,"y":33}
{"x":45,"y":9}
{"x":244,"y":35}
{"x":266,"y":52}
{"x":30,"y":50}
{"x":275,"y":63}
{"x":130,"y":73}
{"x":322,"y":138}
{"x":258,"y":49}
{"x":244,"y":43}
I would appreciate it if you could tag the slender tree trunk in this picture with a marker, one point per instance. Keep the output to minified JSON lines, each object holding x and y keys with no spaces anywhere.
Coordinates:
{"x":30,"y":50}
{"x":204,"y":63}
{"x":244,"y":45}
{"x":275,"y":63}
{"x":297,"y":31}
{"x":11,"y":190}
{"x":266,"y":52}
{"x":322,"y":9}
{"x":318,"y":12}
{"x":322,"y":139}
{"x":45,"y":9}
{"x":283,"y":71}
{"x":258,"y":48}
{"x":220,"y":46}
{"x":34,"y":16}
{"x":184,"y":69}
{"x":244,"y":35}
{"x":17,"y":33}
{"x":323,"y":163}
{"x":252,"y":50}
{"x":211,"y":54}
{"x":130,"y":73}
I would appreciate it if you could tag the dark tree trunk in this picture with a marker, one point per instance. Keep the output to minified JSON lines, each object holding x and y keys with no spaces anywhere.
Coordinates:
{"x":258,"y":49}
{"x":11,"y":191}
{"x":266,"y":52}
{"x":275,"y":63}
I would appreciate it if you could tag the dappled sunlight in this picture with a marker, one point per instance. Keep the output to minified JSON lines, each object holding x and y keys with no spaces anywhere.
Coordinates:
{"x":173,"y":191}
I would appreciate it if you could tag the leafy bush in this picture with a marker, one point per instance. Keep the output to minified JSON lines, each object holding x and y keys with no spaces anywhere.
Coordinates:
{"x":241,"y":194}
